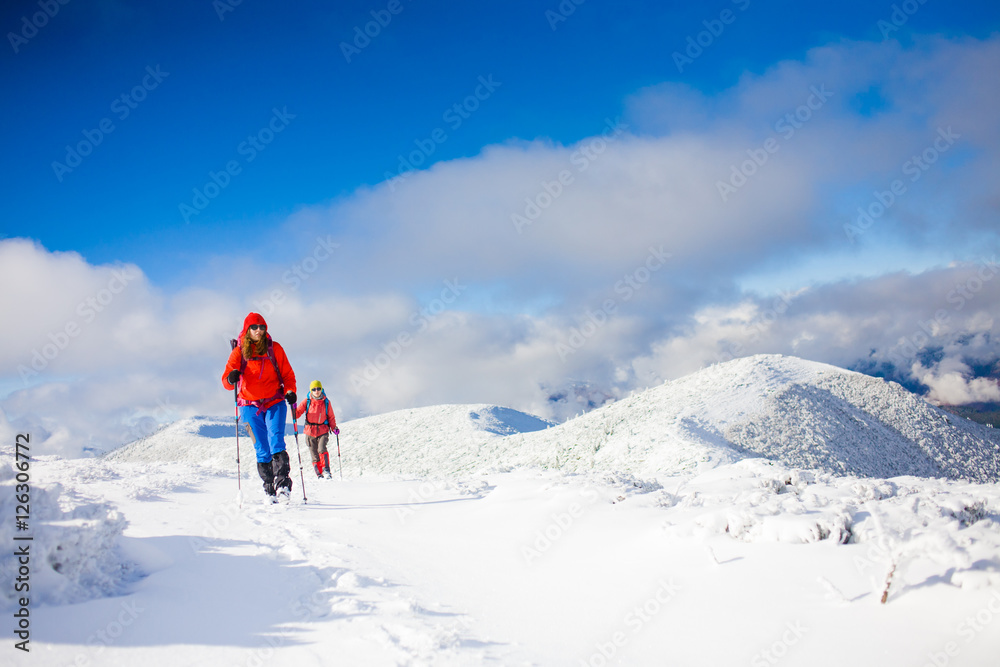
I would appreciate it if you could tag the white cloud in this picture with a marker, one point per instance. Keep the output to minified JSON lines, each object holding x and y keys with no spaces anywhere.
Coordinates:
{"x":651,"y":188}
{"x":162,"y":358}
{"x":950,"y":383}
{"x":657,"y":183}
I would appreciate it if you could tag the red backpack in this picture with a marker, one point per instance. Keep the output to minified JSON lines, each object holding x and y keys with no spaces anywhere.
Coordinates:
{"x":326,"y":401}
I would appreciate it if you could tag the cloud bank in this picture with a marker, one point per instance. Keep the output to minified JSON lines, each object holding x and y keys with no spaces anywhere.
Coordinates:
{"x":551,"y":278}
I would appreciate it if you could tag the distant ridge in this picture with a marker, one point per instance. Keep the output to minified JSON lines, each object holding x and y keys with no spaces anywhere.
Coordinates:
{"x":800,"y":413}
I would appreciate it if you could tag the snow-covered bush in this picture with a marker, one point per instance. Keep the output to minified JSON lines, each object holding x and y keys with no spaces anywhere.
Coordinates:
{"x":73,"y":554}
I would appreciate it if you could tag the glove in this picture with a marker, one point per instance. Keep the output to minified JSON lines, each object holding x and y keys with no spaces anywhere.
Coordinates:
{"x":290,"y":397}
{"x":233,"y":376}
{"x":336,"y":430}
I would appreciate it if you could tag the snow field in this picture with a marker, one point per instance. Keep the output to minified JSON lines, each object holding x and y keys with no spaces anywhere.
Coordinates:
{"x":229,"y":585}
{"x":533,"y":567}
{"x":754,"y":513}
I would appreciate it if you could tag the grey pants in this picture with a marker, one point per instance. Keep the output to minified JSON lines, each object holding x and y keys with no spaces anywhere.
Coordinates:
{"x":317,"y":446}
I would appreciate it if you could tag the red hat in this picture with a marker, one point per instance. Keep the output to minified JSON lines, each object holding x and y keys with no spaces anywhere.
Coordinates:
{"x":252,"y":318}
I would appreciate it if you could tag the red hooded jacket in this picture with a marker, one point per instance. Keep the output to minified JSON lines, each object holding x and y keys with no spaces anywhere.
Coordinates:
{"x":320,"y":410}
{"x":259,"y":383}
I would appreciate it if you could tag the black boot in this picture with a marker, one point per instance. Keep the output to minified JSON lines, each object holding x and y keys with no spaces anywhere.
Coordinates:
{"x":266,"y":472}
{"x":280,"y":466}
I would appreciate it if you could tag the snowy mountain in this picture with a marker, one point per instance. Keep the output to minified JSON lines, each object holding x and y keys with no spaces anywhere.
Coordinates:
{"x":800,"y":413}
{"x":767,"y":510}
{"x":436,"y":440}
{"x":209,"y":441}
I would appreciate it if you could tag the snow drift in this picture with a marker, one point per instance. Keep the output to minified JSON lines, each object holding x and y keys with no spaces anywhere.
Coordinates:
{"x":73,"y":551}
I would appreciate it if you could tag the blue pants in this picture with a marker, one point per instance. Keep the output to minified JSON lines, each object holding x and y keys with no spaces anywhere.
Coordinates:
{"x":267,"y":429}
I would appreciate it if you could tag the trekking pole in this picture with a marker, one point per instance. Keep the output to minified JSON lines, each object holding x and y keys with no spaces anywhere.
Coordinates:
{"x":295,"y":427}
{"x":239,"y":475}
{"x":338,"y":458}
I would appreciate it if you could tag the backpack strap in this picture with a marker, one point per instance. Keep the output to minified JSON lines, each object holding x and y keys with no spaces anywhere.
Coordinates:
{"x":270,"y":355}
{"x":326,"y":402}
{"x":234,"y":343}
{"x":274,"y":362}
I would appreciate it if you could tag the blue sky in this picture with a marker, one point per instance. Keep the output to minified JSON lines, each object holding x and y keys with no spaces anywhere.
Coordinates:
{"x":493,"y":102}
{"x":352,"y":119}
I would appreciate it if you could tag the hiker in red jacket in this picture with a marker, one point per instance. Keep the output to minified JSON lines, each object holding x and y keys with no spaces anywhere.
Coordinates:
{"x":266,"y":382}
{"x":320,"y":421}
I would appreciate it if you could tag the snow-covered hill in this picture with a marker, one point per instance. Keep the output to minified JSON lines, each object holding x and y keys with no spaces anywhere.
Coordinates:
{"x":209,"y":441}
{"x":436,"y":440}
{"x":800,"y":413}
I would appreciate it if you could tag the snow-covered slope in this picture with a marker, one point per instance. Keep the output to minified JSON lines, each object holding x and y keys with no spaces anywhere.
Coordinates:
{"x":436,"y":440}
{"x":209,"y":441}
{"x":150,"y":556}
{"x":433,"y":441}
{"x":796,"y":412}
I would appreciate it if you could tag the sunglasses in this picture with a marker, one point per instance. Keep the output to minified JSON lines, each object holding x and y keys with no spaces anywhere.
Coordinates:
{"x":317,"y":390}
{"x":254,"y":327}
